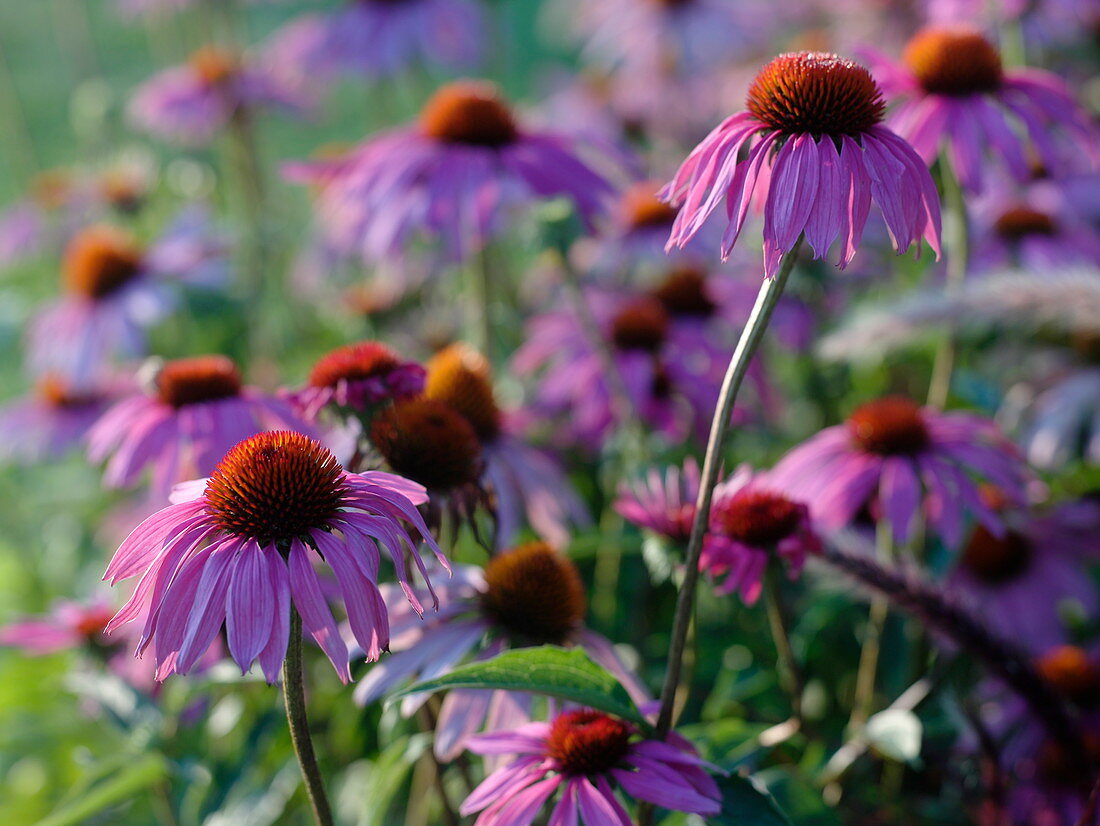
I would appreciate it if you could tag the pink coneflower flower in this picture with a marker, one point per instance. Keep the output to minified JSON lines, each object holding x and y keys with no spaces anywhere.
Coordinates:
{"x":356,"y":378}
{"x":192,"y":103}
{"x":52,"y":420}
{"x":958,"y":97}
{"x":663,"y":504}
{"x":1022,"y":579}
{"x":525,"y":483}
{"x":529,"y":595}
{"x":68,"y":625}
{"x":903,"y":460}
{"x":454,"y":176}
{"x":1060,"y":423}
{"x":586,"y":754}
{"x":239,"y":548}
{"x":114,"y":292}
{"x":817,"y":156}
{"x":752,"y":524}
{"x":196,"y":411}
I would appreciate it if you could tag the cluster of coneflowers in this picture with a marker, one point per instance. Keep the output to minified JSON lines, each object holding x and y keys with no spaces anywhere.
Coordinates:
{"x":418,"y":513}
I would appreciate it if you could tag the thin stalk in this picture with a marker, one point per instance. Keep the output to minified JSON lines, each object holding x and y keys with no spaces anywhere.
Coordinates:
{"x":864,"y":696}
{"x":450,"y":813}
{"x":751,"y":336}
{"x":790,"y":674}
{"x":294,"y":697}
{"x":956,"y":246}
{"x":479,"y":289}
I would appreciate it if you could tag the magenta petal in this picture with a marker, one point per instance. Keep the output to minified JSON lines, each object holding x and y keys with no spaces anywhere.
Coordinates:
{"x":208,"y":613}
{"x":317,"y":619}
{"x":366,"y":611}
{"x":250,"y":605}
{"x":274,"y":652}
{"x":595,"y":805}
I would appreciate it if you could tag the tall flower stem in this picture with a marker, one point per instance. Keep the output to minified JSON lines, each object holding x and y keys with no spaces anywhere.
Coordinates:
{"x":294,"y":697}
{"x":956,"y":243}
{"x":872,"y":638}
{"x":790,"y":674}
{"x":479,"y":288}
{"x":751,"y":336}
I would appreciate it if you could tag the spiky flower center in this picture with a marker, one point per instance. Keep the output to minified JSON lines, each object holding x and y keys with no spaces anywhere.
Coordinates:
{"x":429,"y":442}
{"x":534,"y":594}
{"x":198,"y":379}
{"x":955,"y":62}
{"x":274,"y":487}
{"x":469,"y":112}
{"x":100,"y":261}
{"x":58,"y":393}
{"x":996,"y":559}
{"x":1022,"y":222}
{"x":52,"y":188}
{"x":757,"y":518}
{"x":640,"y":325}
{"x":684,"y":293}
{"x":123,"y":192}
{"x":889,"y":426}
{"x":1070,"y":670}
{"x":641,"y":209}
{"x":91,"y":624}
{"x":816,"y":93}
{"x":462,"y":377}
{"x":353,"y":362}
{"x":588,"y":743}
{"x":214,"y":65}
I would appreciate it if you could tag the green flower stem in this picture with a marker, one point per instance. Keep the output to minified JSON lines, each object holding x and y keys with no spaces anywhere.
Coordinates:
{"x":790,"y":674}
{"x":864,"y":696}
{"x":956,"y":246}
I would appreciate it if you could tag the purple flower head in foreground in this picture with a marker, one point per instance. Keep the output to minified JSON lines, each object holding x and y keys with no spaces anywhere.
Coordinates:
{"x":1022,"y":580}
{"x":191,"y":103}
{"x":817,"y":156}
{"x":959,"y":97}
{"x":453,"y":176}
{"x":585,"y":755}
{"x":524,"y":481}
{"x":529,"y":595}
{"x":198,"y":409}
{"x":904,"y":460}
{"x":114,"y":292}
{"x":239,"y":548}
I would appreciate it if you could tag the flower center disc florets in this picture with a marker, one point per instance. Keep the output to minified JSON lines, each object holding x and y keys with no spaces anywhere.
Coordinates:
{"x":642,"y":209}
{"x":996,"y":559}
{"x":198,"y":379}
{"x":588,"y":743}
{"x":684,"y":293}
{"x":101,"y":260}
{"x":954,"y":62}
{"x":58,"y":393}
{"x":758,"y":518}
{"x":816,"y":93}
{"x":1022,"y":222}
{"x":534,"y":594}
{"x":1069,"y":669}
{"x":890,"y":426}
{"x":461,"y":377}
{"x":429,"y":442}
{"x":353,"y":362}
{"x":214,"y":65}
{"x":274,"y":487}
{"x":469,"y":112}
{"x":640,"y":325}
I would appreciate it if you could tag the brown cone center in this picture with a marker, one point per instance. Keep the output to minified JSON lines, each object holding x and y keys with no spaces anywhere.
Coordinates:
{"x":640,"y":325}
{"x":461,"y":377}
{"x":469,"y":112}
{"x":534,"y":594}
{"x":198,"y":379}
{"x":955,"y":62}
{"x":996,"y":560}
{"x":588,"y":743}
{"x":890,"y":426}
{"x":100,"y":261}
{"x":429,"y":442}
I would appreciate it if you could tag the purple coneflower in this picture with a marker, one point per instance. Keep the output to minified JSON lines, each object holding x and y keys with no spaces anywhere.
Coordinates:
{"x":529,"y":595}
{"x":524,"y":481}
{"x":818,"y":157}
{"x":239,"y":548}
{"x":1061,"y":422}
{"x":197,"y":410}
{"x":1020,"y":232}
{"x":904,"y":460}
{"x":67,"y":625}
{"x":663,"y":504}
{"x":959,"y":97}
{"x":114,"y":292}
{"x":453,"y":176}
{"x":1021,"y":579}
{"x":192,"y":103}
{"x":585,"y":754}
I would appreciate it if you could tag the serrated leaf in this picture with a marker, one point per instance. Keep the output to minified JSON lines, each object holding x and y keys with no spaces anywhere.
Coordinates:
{"x":743,"y":804}
{"x":567,"y":674}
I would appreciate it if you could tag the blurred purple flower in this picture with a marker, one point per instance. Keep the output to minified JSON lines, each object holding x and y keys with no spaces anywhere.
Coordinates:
{"x":1060,"y":423}
{"x":662,"y":503}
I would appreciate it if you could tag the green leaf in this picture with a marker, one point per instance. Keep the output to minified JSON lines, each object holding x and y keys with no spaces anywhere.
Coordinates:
{"x":120,"y":788}
{"x":567,"y":674}
{"x":745,"y":805}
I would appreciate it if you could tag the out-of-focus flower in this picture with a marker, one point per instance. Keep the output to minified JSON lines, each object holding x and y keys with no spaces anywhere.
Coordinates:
{"x":821,"y":157}
{"x":454,"y":176}
{"x":585,"y":755}
{"x":115,"y":291}
{"x":197,"y":409}
{"x":959,"y":98}
{"x":525,"y":482}
{"x":529,"y":595}
{"x":903,"y":460}
{"x":1061,"y":422}
{"x":52,"y":419}
{"x":662,"y":503}
{"x":1020,"y":580}
{"x":239,"y":548}
{"x":377,"y":38}
{"x":752,"y":524}
{"x":192,"y":103}
{"x":1042,"y":21}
